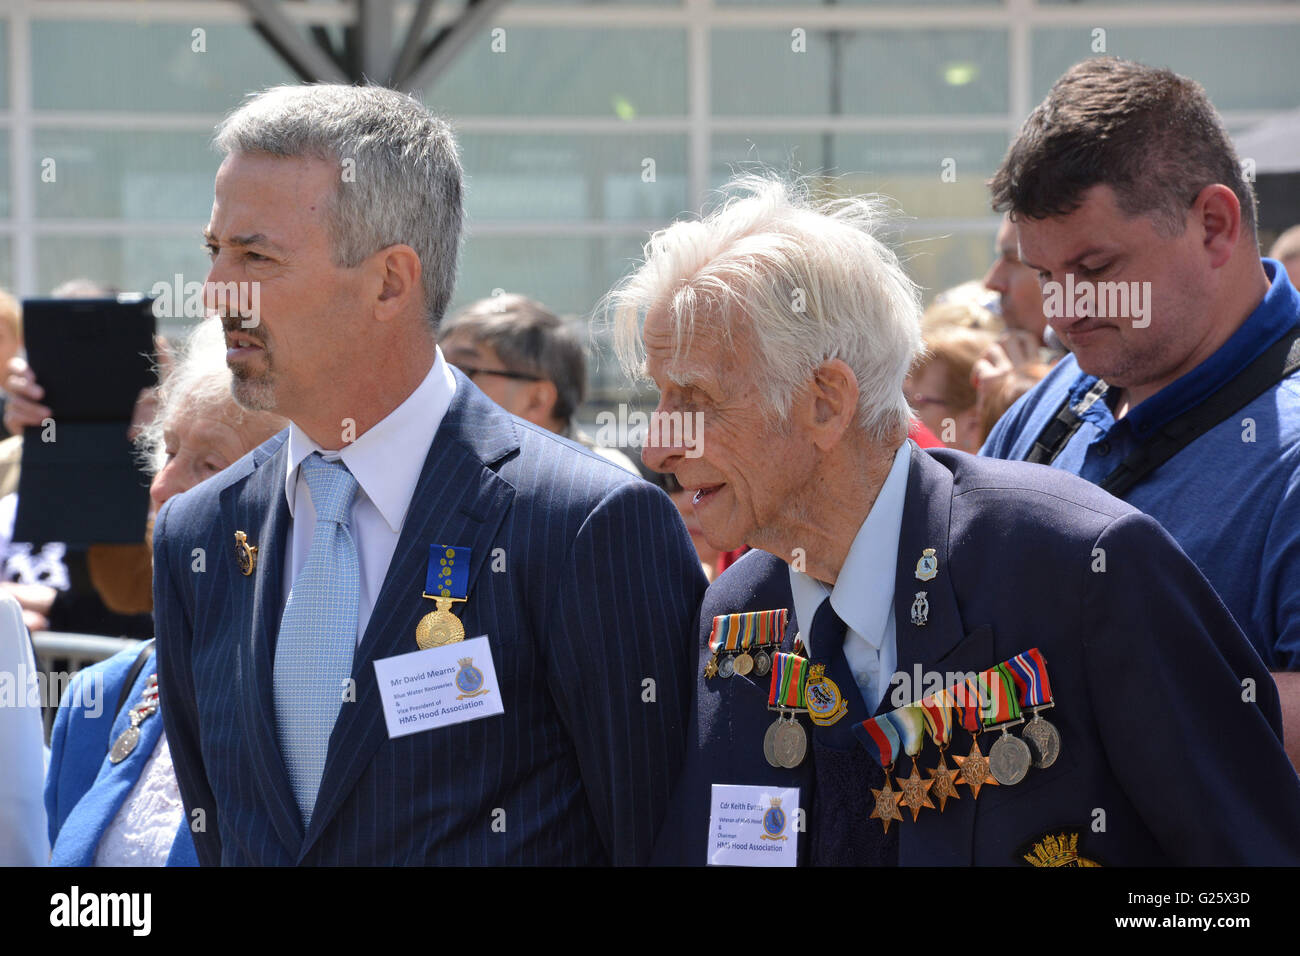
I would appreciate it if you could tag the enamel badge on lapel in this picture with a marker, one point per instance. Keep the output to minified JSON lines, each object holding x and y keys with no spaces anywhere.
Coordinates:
{"x":920,"y":609}
{"x":245,"y":554}
{"x":928,"y":566}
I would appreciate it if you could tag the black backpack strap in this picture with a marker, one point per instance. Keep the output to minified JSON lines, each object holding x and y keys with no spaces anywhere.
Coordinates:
{"x":132,"y":675}
{"x":1281,"y":359}
{"x":1052,"y":440}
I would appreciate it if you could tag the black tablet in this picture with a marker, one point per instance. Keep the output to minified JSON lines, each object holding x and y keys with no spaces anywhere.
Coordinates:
{"x":80,"y":482}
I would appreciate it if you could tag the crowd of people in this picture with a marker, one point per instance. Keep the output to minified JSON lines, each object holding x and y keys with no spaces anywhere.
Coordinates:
{"x":1065,"y":490}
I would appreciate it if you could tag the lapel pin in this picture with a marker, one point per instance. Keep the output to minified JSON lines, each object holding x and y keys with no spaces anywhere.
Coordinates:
{"x":928,"y":565}
{"x":920,"y":609}
{"x":245,"y":553}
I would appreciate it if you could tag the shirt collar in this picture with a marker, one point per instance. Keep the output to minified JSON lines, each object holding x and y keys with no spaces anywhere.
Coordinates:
{"x":388,"y":458}
{"x":1274,"y":315}
{"x":863,"y":595}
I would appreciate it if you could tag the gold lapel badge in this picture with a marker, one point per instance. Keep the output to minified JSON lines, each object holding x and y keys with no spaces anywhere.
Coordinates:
{"x":245,"y":553}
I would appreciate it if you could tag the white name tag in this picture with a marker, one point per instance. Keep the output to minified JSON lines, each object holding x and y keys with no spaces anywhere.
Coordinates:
{"x":446,"y":685}
{"x":754,"y":826}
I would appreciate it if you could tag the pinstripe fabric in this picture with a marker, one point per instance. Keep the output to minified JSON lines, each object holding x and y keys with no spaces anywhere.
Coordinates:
{"x":318,"y":632}
{"x":587,"y":586}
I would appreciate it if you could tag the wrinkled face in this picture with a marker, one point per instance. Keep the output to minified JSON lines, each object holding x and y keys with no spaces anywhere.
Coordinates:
{"x":747,"y":469}
{"x":1101,"y":246}
{"x":269,"y":227}
{"x":481,"y":364}
{"x":201,"y":439}
{"x":1016,"y":285}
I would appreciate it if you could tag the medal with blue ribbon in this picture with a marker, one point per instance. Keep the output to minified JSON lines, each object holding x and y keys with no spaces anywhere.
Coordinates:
{"x":445,"y":583}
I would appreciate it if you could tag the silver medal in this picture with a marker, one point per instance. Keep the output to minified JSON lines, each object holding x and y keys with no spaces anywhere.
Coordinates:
{"x":1009,"y":759}
{"x":727,"y":666}
{"x":1044,"y":742}
{"x":769,"y":743}
{"x":124,"y":744}
{"x":791,"y":743}
{"x":762,"y":663}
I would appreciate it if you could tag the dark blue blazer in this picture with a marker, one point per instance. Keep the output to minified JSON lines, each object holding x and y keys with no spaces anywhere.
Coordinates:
{"x":584,"y":580}
{"x":1165,"y":756}
{"x":83,"y":790}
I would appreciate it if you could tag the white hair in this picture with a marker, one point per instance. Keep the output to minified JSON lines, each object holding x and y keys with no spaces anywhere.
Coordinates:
{"x":809,"y":280}
{"x":400,"y":177}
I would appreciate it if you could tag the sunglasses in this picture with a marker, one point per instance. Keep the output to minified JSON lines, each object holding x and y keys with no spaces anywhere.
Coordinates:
{"x":470,"y":372}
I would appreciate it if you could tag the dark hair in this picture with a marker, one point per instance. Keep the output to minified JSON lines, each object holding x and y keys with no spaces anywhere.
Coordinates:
{"x":528,"y":337}
{"x":1149,"y":134}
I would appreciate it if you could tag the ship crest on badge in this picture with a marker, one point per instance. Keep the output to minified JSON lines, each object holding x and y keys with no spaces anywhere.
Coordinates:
{"x":1057,"y":850}
{"x":774,"y":821}
{"x":469,"y":680}
{"x":928,"y":565}
{"x":920,"y":609}
{"x":825,"y":702}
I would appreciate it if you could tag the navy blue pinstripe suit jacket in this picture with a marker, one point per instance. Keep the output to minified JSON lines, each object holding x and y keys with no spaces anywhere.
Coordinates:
{"x":598,"y":596}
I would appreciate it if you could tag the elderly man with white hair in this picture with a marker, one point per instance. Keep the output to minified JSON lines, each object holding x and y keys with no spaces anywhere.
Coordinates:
{"x":874,"y":680}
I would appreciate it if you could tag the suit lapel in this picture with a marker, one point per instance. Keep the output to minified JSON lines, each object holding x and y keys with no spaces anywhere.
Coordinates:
{"x":458,"y":501}
{"x":927,"y":514}
{"x":259,"y":508}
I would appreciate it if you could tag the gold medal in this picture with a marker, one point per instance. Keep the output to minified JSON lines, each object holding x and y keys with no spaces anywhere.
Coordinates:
{"x":439,"y":627}
{"x":744,"y":664}
{"x":916,"y":792}
{"x":944,"y":779}
{"x":245,"y":554}
{"x":886,"y":800}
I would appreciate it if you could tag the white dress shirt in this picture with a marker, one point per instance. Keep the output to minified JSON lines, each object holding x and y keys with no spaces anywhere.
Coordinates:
{"x":23,"y":829}
{"x":863,"y":595}
{"x":386,"y":462}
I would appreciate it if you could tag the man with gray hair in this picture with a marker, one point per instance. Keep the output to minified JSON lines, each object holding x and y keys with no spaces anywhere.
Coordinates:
{"x":524,"y":358}
{"x":896,"y":599}
{"x":410,"y":629}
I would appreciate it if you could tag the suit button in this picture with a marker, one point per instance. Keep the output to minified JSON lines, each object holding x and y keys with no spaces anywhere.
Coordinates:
{"x":1103,"y":448}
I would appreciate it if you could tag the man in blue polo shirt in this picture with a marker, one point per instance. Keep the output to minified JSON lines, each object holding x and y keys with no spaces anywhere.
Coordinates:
{"x":1130,"y":203}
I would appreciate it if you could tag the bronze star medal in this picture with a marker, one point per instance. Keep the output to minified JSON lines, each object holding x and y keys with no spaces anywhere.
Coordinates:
{"x":886,"y":803}
{"x":916,"y":792}
{"x":975,"y":769}
{"x":944,"y":779}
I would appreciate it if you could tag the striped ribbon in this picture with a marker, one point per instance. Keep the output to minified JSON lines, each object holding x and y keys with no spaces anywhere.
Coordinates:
{"x":937,"y":710}
{"x":732,"y":632}
{"x":789,"y":687}
{"x":1001,"y":703}
{"x":880,"y":737}
{"x":1030,"y":673}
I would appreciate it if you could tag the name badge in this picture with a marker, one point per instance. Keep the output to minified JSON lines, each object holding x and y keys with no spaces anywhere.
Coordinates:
{"x":754,"y":826}
{"x":438,"y":687}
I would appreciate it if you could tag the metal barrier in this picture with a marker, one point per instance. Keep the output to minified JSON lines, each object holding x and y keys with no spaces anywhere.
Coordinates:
{"x":62,"y":655}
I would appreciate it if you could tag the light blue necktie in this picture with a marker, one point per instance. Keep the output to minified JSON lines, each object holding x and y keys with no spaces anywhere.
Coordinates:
{"x":318,"y":633}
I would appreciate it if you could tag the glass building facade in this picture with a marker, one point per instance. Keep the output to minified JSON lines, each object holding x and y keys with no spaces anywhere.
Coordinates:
{"x":585,"y":126}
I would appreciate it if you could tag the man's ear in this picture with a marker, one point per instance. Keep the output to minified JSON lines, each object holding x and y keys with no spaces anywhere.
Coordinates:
{"x":1218,"y":212}
{"x":539,"y":403}
{"x":831,"y":403}
{"x":396,"y":270}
